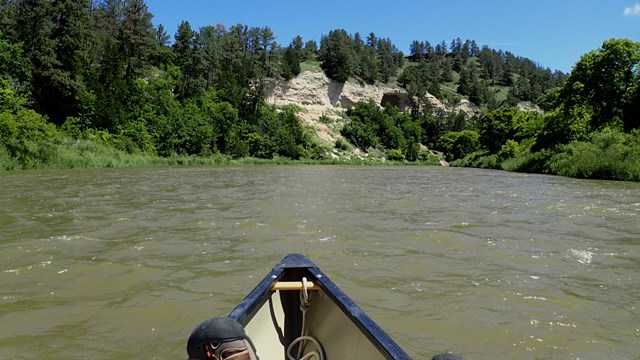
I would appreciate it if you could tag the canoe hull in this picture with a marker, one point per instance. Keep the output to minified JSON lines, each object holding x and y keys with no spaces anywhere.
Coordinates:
{"x":273,"y":319}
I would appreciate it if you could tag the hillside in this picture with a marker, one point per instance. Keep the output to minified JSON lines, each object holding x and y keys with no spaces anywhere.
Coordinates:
{"x":323,"y":100}
{"x":74,"y":82}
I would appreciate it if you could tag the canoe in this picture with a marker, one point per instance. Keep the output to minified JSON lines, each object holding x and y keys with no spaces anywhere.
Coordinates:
{"x":297,"y":309}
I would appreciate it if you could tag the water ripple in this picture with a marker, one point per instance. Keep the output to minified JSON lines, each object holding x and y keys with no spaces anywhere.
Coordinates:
{"x":476,"y":261}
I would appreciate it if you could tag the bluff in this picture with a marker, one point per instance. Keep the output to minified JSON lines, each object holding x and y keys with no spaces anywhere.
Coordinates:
{"x":322,"y":97}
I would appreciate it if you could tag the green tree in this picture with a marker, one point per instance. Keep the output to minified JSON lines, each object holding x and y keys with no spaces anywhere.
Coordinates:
{"x":607,"y":82}
{"x":225,"y":121}
{"x":297,"y":45}
{"x":290,"y":63}
{"x":387,"y":64}
{"x":125,"y":44}
{"x":369,"y":65}
{"x":496,"y":127}
{"x":458,"y":144}
{"x":136,"y":38}
{"x":420,"y":79}
{"x":390,"y":59}
{"x":417,"y":50}
{"x":55,"y":38}
{"x":337,"y":56}
{"x":190,"y":57}
{"x":520,"y":91}
{"x":310,"y":50}
{"x":242,"y":63}
{"x":466,"y":81}
{"x":563,"y":126}
{"x":14,"y":66}
{"x":153,"y":113}
{"x":279,"y":132}
{"x":364,"y":120}
{"x":24,"y":134}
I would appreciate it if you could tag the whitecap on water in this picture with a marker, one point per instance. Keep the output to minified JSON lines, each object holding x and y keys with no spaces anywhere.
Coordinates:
{"x":583,"y":256}
{"x":327,"y":238}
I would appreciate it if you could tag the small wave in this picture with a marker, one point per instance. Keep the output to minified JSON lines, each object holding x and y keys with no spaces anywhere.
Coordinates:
{"x":69,"y":238}
{"x":327,"y":238}
{"x":584,"y":256}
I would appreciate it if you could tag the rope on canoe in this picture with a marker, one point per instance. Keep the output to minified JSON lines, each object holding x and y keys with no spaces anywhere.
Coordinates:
{"x":305,"y":302}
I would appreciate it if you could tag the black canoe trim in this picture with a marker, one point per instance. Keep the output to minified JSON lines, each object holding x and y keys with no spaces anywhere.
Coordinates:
{"x":301,"y":264}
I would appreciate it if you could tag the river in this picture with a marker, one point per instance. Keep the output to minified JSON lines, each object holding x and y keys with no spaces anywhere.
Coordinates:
{"x":124,"y":263}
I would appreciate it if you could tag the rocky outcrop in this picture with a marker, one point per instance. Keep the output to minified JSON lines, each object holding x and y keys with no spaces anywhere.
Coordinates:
{"x":314,"y":91}
{"x":528,"y":106}
{"x":323,"y":98}
{"x":314,"y":88}
{"x":467,"y":107}
{"x":323,"y":101}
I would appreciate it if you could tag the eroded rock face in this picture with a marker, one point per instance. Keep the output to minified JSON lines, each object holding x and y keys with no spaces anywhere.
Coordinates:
{"x":314,"y":88}
{"x":308,"y":89}
{"x":467,"y":107}
{"x":319,"y":96}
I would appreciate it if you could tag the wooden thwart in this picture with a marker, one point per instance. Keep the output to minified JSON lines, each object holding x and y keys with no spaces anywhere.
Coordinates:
{"x":294,"y":285}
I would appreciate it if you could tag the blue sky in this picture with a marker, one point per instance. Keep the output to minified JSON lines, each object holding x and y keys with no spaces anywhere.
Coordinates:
{"x":553,"y":33}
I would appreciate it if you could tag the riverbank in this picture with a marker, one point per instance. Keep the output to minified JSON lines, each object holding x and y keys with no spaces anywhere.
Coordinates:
{"x":600,"y":160}
{"x":608,"y":154}
{"x":611,"y":155}
{"x":73,"y":154}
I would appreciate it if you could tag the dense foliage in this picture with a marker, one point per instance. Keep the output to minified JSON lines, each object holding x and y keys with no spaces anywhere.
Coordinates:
{"x":344,"y":56}
{"x":95,"y":83}
{"x":480,"y":71}
{"x":590,"y":128}
{"x":85,"y":67}
{"x":372,"y":128}
{"x":591,"y":131}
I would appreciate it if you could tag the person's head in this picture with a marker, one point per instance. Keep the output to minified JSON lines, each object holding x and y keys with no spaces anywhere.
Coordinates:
{"x":220,"y":338}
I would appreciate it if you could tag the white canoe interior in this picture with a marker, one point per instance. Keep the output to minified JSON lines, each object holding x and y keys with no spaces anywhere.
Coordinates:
{"x":339,"y":336}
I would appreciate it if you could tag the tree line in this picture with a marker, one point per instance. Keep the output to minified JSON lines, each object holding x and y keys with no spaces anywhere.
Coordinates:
{"x":477,"y":70}
{"x":74,"y":72}
{"x":591,"y":128}
{"x":102,"y":70}
{"x":344,"y":56}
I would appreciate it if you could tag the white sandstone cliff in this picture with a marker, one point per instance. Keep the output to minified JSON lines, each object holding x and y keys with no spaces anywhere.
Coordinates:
{"x":321,"y":96}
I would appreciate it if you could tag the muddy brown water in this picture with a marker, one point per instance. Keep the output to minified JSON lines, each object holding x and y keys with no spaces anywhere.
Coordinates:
{"x":123,"y":263}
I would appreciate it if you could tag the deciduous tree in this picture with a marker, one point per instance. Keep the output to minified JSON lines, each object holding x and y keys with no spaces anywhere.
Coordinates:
{"x":607,"y":81}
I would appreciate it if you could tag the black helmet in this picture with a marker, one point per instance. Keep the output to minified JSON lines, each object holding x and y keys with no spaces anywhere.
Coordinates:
{"x":220,"y":338}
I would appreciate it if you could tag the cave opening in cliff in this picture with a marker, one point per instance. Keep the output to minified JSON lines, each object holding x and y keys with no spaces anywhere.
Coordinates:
{"x":401,"y":101}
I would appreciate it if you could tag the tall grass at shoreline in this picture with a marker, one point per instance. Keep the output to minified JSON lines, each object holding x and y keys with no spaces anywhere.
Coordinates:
{"x":70,"y":153}
{"x":609,"y":154}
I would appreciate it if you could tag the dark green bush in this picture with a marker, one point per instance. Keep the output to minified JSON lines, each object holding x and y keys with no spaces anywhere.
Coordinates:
{"x":395,"y":155}
{"x":458,"y":144}
{"x":609,"y":154}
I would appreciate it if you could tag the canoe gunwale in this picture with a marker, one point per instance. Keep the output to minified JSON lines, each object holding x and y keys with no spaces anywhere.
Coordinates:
{"x":297,"y":264}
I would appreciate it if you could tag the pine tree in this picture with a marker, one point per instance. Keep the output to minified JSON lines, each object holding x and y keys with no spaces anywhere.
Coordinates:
{"x":290,"y":63}
{"x":310,"y":50}
{"x":136,"y":38}
{"x":190,"y":59}
{"x":337,"y":55}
